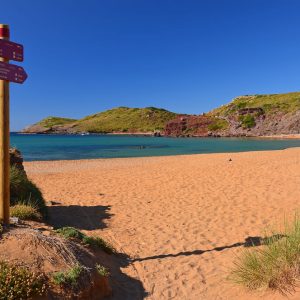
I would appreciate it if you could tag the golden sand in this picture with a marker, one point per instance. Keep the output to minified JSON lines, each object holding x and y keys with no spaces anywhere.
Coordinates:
{"x":182,"y":219}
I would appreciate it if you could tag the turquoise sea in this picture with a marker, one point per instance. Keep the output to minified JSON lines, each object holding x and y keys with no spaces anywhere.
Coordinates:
{"x":58,"y":147}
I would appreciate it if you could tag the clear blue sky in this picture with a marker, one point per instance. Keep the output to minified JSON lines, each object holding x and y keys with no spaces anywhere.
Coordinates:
{"x":187,"y":56}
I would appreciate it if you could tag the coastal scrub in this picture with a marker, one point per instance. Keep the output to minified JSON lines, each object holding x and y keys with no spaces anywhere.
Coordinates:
{"x":19,"y":283}
{"x":71,"y":232}
{"x":70,"y":276}
{"x":25,"y":192}
{"x":275,"y":266}
{"x":25,"y":212}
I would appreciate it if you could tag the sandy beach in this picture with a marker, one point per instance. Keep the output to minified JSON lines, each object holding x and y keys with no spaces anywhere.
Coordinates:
{"x":180,"y":219}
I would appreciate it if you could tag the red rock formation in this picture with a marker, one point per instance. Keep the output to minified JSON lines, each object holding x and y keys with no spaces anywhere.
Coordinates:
{"x":189,"y":125}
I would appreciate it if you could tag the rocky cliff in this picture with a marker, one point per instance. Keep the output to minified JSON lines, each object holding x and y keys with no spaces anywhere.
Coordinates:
{"x":254,"y":115}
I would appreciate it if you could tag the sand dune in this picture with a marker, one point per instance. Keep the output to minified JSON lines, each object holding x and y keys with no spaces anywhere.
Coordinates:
{"x":181,"y":219}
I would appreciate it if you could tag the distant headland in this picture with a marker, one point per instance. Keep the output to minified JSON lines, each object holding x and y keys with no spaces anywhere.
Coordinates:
{"x":250,"y":115}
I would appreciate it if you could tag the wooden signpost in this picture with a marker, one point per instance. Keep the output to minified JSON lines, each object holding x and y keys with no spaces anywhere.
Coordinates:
{"x":8,"y":72}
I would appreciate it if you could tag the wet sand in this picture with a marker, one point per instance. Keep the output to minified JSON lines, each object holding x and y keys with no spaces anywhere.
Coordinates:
{"x":181,"y":219}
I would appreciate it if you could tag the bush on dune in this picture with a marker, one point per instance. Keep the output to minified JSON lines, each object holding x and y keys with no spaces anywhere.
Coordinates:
{"x":25,"y":212}
{"x":71,"y":232}
{"x":19,"y":283}
{"x":275,"y":266}
{"x":25,"y":192}
{"x":68,"y":277}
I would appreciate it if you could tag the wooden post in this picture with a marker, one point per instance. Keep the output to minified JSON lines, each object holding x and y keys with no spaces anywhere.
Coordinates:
{"x":4,"y":140}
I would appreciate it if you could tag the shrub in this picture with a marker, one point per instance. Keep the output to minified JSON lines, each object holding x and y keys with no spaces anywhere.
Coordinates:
{"x":247,"y":121}
{"x":102,"y":271}
{"x":25,"y":212}
{"x":23,"y":191}
{"x":19,"y":283}
{"x":100,"y":243}
{"x":218,"y":124}
{"x":275,"y":266}
{"x":68,"y":277}
{"x":71,"y":232}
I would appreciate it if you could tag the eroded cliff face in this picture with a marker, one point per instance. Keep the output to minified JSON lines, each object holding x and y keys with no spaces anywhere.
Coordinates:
{"x":243,"y":122}
{"x":191,"y":125}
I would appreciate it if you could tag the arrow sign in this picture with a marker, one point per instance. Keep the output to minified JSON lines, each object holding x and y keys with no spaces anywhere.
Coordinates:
{"x":10,"y":50}
{"x":12,"y":73}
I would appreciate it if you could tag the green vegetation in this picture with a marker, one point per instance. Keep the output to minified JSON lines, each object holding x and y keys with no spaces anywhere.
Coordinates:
{"x":218,"y":124}
{"x":53,"y":121}
{"x":19,"y":283}
{"x":102,"y":271}
{"x":71,"y":232}
{"x":100,"y":243}
{"x":25,"y":212}
{"x":247,"y":121}
{"x":272,"y":103}
{"x":69,"y":277}
{"x":23,"y":191}
{"x":126,"y":119}
{"x":121,"y":119}
{"x":275,"y":265}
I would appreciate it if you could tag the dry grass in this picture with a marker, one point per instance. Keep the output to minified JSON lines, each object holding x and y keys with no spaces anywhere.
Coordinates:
{"x":23,"y":191}
{"x":275,"y":266}
{"x":25,"y":212}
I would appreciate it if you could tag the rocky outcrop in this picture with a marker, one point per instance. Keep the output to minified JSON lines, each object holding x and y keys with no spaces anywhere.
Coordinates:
{"x":251,"y":110}
{"x":275,"y":124}
{"x":190,"y":125}
{"x":56,"y":129}
{"x":243,"y":122}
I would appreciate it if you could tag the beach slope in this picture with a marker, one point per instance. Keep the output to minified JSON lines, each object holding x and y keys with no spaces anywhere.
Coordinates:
{"x":181,"y":219}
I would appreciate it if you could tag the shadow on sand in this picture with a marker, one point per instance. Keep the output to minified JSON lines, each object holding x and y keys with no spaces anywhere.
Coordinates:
{"x":250,"y":241}
{"x":125,"y":287}
{"x":80,"y":217}
{"x":92,"y":218}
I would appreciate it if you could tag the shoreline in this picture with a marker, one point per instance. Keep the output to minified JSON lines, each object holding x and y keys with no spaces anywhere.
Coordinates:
{"x":156,"y":157}
{"x":282,"y":136}
{"x":152,"y":134}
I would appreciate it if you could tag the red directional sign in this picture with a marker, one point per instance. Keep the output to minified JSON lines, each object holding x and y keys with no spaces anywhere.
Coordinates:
{"x":12,"y":73}
{"x":10,"y":50}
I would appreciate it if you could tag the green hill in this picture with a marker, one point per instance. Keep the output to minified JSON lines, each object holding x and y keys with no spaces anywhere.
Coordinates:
{"x":271,"y":104}
{"x":126,"y":119}
{"x":54,"y":121}
{"x":121,"y":119}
